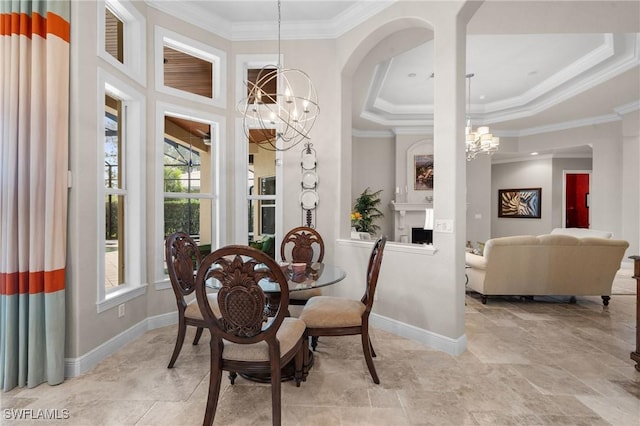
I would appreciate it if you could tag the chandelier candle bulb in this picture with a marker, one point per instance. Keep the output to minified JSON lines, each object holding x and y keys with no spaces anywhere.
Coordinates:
{"x":480,"y":141}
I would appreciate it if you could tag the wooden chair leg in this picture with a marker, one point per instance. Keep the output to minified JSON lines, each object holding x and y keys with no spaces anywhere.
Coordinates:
{"x":373,"y":352}
{"x":314,"y":342}
{"x":305,"y":355}
{"x":299,"y":361}
{"x":198,"y":335}
{"x":215,"y":376}
{"x":276,"y":400}
{"x":232,"y":377}
{"x":366,"y":348}
{"x":182,"y":331}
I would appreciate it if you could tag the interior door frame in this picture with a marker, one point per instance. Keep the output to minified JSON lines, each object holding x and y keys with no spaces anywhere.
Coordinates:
{"x":564,"y":193}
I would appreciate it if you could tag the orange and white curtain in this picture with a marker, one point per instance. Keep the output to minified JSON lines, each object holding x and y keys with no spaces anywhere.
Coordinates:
{"x":34,"y":128}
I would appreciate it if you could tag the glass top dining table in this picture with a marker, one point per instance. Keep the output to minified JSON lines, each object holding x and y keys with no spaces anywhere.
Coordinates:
{"x":316,"y":275}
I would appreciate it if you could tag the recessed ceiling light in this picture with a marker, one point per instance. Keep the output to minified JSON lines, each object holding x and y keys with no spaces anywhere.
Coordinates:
{"x":411,"y":74}
{"x":534,"y":153}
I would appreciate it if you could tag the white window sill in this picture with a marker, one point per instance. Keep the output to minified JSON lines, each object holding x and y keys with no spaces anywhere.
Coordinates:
{"x":121,"y":295}
{"x":162,"y":285}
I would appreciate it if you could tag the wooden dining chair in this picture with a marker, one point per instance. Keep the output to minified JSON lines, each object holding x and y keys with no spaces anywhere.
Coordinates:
{"x":302,"y":245}
{"x":183,"y":258}
{"x":336,"y":316}
{"x":243,"y":338}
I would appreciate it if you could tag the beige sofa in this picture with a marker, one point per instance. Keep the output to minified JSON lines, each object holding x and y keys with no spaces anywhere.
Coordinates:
{"x":552,"y":264}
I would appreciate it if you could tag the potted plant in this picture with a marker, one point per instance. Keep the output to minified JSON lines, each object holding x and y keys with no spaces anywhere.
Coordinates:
{"x":365,"y":212}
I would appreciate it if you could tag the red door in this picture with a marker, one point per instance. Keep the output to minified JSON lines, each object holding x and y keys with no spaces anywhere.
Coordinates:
{"x":576,"y":196}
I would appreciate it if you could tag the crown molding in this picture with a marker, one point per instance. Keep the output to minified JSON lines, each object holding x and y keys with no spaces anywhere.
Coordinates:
{"x":372,"y":134}
{"x":529,"y":157}
{"x":626,"y":109}
{"x":590,"y":121}
{"x":206,"y":19}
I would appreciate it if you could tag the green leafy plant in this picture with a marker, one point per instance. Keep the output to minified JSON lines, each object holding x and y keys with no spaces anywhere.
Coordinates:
{"x":366,"y":207}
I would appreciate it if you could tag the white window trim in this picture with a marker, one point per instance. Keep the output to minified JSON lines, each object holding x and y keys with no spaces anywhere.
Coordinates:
{"x":135,"y":39}
{"x":135,"y":233}
{"x":241,"y":171}
{"x":218,"y":59}
{"x":246,"y":62}
{"x":243,"y":64}
{"x":218,"y":219}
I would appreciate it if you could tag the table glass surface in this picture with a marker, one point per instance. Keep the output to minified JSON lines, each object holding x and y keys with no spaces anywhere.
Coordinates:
{"x":316,"y":275}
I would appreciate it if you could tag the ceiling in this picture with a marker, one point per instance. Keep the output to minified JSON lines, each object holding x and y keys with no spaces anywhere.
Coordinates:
{"x":529,"y":78}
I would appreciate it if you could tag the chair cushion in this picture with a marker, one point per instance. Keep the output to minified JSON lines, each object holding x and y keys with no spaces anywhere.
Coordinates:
{"x":305,"y":294}
{"x":193,"y":310}
{"x":329,"y":311}
{"x":289,"y":333}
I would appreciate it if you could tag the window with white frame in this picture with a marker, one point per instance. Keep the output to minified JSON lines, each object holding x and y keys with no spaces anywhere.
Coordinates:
{"x":120,"y":230}
{"x":122,"y":38}
{"x":189,"y":176}
{"x":262,"y":194}
{"x":189,"y":69}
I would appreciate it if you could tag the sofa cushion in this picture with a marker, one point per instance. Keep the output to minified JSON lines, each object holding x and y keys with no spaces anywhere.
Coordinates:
{"x":582,"y":232}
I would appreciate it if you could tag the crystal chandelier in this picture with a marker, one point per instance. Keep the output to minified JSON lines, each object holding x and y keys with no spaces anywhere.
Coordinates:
{"x":274,"y":115}
{"x":480,"y":141}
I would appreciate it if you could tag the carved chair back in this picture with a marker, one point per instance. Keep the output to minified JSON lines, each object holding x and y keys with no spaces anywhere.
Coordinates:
{"x":242,"y":302}
{"x":302,"y":245}
{"x":183,"y":258}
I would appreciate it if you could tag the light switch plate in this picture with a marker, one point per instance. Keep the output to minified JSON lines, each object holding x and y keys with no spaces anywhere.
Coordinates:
{"x":444,"y":225}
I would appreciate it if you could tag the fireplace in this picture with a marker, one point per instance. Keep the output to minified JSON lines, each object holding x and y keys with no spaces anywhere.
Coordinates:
{"x":421,"y":236}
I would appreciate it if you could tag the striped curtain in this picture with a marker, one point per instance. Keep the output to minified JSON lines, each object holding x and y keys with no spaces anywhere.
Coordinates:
{"x":34,"y":128}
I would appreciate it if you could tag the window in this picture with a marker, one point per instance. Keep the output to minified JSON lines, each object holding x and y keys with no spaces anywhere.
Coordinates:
{"x":260,"y":200}
{"x":114,"y":35}
{"x":188,"y":176}
{"x":115,"y":194}
{"x":187,"y":184}
{"x":120,"y":199}
{"x":122,"y":38}
{"x":189,"y":69}
{"x":188,"y":73}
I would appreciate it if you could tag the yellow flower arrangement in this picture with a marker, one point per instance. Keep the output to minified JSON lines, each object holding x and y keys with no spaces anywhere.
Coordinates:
{"x":355,"y":218}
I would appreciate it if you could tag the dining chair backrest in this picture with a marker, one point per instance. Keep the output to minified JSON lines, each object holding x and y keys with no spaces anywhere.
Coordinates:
{"x":242,"y":302}
{"x":373,"y":270}
{"x":302,"y":245}
{"x":183,"y":258}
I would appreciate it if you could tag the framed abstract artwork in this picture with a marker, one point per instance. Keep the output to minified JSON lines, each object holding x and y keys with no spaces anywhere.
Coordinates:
{"x":522,"y":203}
{"x":423,"y":166}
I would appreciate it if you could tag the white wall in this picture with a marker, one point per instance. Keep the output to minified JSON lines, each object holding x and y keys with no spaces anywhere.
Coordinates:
{"x":523,"y":174}
{"x":630,"y":229}
{"x":479,"y":199}
{"x":374,"y":168}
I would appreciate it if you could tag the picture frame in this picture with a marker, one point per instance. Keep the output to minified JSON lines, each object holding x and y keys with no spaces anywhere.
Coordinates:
{"x":423,"y":176}
{"x":521,"y":203}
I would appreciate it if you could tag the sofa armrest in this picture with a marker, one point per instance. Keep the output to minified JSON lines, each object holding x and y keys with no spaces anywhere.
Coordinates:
{"x":475,"y":261}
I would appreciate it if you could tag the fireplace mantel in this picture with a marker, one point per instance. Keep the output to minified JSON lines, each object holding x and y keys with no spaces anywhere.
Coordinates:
{"x":409,"y":206}
{"x":402,"y":209}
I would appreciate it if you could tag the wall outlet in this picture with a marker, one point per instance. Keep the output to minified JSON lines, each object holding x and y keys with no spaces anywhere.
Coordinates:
{"x":121,"y":310}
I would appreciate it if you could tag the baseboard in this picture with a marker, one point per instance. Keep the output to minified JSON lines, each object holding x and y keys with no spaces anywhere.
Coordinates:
{"x":74,"y":367}
{"x":427,"y":338}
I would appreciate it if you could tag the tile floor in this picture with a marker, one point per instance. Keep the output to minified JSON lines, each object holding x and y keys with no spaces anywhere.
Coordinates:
{"x":528,"y":363}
